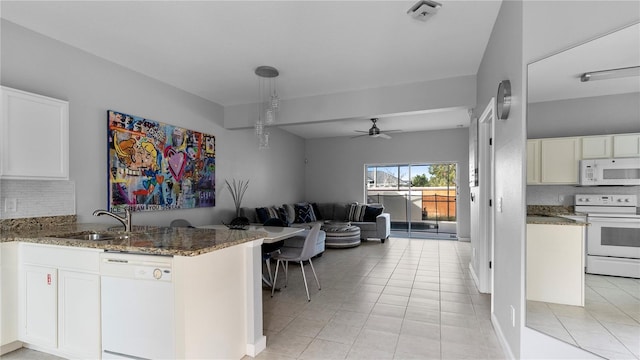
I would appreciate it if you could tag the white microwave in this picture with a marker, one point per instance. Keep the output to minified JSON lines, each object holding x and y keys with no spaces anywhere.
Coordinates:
{"x":621,"y":171}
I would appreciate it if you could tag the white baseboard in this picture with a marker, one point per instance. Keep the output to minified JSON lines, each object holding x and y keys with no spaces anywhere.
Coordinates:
{"x":503,"y":341}
{"x":12,"y":346}
{"x":254,"y":349}
{"x":474,"y":276}
{"x":464,"y":239}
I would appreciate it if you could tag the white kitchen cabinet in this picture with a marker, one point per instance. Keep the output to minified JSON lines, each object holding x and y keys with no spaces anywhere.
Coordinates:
{"x":34,"y":136}
{"x":39,"y":306}
{"x":79,"y":314}
{"x":59,"y":300}
{"x":627,"y":145}
{"x":559,"y":159}
{"x":533,"y":162}
{"x":9,"y":301}
{"x":597,"y":147}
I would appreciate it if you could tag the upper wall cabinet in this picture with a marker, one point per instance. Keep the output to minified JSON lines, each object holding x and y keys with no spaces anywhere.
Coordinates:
{"x":626,"y":145}
{"x":555,"y":161}
{"x":596,"y":147}
{"x":34,"y":136}
{"x":559,"y":160}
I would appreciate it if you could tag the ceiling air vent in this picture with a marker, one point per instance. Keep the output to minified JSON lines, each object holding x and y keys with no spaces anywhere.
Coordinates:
{"x":424,"y":9}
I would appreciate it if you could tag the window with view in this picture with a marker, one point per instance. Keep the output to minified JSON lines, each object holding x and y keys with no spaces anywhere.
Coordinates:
{"x":421,"y":198}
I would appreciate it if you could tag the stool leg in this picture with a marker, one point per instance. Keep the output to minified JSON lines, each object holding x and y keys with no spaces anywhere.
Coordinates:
{"x":275,"y":278}
{"x":314,"y":274}
{"x":306,"y":288}
{"x":268,"y":261}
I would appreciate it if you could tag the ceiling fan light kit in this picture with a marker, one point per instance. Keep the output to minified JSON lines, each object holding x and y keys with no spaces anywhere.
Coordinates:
{"x":375,"y":132}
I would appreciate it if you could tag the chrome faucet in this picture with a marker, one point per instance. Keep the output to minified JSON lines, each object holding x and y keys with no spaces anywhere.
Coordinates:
{"x":125,"y":220}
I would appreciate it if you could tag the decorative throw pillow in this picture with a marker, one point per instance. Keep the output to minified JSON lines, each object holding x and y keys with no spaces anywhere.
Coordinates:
{"x":262,"y":214}
{"x":304,"y":213}
{"x":356,"y":212}
{"x":291,"y":212}
{"x":371,"y":213}
{"x":316,"y":211}
{"x":283,"y":214}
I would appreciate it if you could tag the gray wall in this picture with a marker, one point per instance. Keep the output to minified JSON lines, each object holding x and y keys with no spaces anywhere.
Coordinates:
{"x":335,"y":166}
{"x":39,"y":64}
{"x":503,"y":60}
{"x":611,"y":114}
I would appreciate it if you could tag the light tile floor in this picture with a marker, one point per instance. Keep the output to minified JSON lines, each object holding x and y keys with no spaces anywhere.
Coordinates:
{"x":404,"y":299}
{"x":608,"y":325}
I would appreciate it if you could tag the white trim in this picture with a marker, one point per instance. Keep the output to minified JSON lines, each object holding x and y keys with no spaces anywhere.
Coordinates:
{"x":474,"y":277}
{"x":12,"y":346}
{"x":254,"y":349}
{"x":500,"y":335}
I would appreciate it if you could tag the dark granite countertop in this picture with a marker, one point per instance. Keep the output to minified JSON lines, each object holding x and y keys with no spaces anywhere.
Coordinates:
{"x":142,"y":239}
{"x":553,"y":220}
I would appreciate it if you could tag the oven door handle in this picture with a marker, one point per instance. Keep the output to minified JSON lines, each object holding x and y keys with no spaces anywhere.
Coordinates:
{"x":629,"y":222}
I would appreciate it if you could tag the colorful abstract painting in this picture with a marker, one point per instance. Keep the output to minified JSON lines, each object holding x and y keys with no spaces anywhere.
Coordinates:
{"x":155,"y":166}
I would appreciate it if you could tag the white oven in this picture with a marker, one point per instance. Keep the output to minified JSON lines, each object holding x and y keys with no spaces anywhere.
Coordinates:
{"x":613,"y":236}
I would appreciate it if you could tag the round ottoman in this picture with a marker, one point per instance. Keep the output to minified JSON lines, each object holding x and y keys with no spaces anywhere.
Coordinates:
{"x":341,"y":235}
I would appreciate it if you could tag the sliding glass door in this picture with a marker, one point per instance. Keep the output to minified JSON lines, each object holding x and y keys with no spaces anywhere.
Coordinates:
{"x":421,"y":198}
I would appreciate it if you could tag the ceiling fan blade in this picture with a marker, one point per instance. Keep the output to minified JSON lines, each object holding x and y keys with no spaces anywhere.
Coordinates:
{"x":384,"y":136}
{"x":362,"y":131}
{"x":357,"y":136}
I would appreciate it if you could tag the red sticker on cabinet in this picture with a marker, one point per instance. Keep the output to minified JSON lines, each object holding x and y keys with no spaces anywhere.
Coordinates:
{"x":48,"y":279}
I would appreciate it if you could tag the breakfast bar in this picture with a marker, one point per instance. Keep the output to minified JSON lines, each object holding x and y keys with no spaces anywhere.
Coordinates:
{"x":212,"y":277}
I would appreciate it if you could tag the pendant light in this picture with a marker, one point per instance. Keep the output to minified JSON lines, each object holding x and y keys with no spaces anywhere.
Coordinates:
{"x":268,"y":103}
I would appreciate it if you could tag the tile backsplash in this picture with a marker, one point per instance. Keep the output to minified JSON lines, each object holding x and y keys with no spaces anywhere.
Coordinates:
{"x":37,"y":198}
{"x":564,"y":194}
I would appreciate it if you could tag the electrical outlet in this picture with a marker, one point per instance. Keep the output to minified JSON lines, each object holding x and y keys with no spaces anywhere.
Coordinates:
{"x":500,"y":204}
{"x":561,"y":199}
{"x":10,"y":205}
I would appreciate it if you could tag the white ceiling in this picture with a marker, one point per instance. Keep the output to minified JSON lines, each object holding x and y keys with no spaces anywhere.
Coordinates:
{"x":211,"y":48}
{"x":558,"y":77}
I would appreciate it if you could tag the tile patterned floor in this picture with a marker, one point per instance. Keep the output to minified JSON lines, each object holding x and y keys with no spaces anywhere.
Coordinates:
{"x":405,"y":299}
{"x":608,"y":325}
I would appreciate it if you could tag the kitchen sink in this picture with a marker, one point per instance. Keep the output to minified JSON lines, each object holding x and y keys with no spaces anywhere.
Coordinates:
{"x":94,"y":236}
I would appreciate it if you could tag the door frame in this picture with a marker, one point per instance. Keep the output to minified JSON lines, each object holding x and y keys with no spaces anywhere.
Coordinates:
{"x":486,"y":195}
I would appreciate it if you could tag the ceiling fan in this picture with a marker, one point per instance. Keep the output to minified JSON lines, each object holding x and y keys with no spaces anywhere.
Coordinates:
{"x":375,"y":132}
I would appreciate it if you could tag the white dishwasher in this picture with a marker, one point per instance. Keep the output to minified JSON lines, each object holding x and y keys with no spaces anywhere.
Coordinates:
{"x":137,"y":306}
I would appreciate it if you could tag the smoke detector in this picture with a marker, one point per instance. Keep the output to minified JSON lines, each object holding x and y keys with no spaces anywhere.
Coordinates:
{"x":424,"y":9}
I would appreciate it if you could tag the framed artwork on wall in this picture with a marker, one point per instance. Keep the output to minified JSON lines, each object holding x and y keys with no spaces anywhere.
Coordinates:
{"x":156,"y":166}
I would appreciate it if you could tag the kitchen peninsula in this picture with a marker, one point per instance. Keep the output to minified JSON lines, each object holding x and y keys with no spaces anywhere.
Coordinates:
{"x":555,"y":259}
{"x":213,"y":281}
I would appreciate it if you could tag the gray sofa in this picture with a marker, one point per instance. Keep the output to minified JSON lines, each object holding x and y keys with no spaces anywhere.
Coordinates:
{"x":378,"y":227}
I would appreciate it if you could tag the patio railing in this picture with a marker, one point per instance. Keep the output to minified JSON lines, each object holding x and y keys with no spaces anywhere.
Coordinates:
{"x":425,"y":210}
